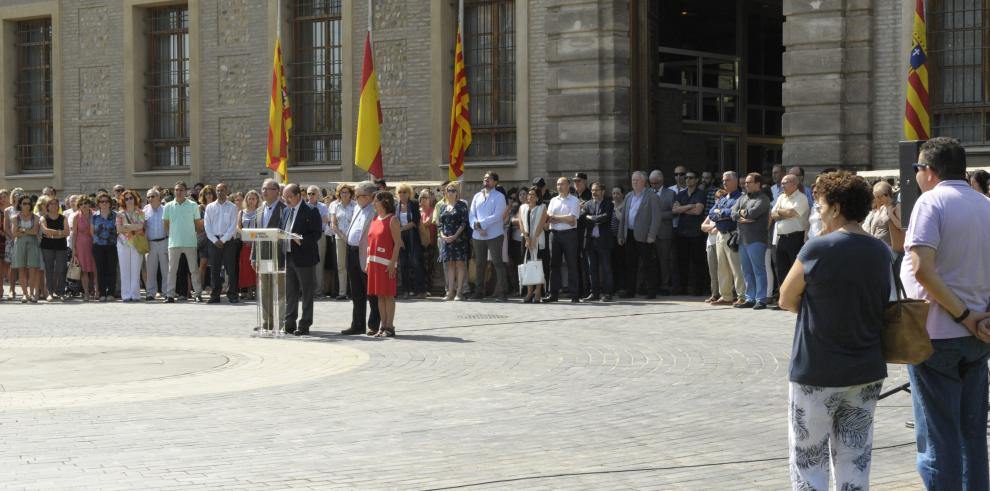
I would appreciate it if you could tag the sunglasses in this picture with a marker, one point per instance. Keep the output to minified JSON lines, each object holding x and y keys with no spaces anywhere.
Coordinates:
{"x":678,"y":174}
{"x":919,"y":167}
{"x":451,"y":190}
{"x":311,"y":194}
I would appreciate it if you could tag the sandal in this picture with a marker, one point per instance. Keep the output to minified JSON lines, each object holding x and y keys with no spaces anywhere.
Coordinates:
{"x":373,"y":332}
{"x":386,"y":332}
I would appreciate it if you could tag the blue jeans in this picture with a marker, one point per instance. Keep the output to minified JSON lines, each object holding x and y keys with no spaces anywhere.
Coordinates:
{"x":754,"y":266}
{"x":949,"y":395}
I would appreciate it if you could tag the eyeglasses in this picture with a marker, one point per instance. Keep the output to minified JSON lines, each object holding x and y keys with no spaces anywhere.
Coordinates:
{"x":678,"y":174}
{"x":451,"y":190}
{"x":919,"y":167}
{"x":311,"y":194}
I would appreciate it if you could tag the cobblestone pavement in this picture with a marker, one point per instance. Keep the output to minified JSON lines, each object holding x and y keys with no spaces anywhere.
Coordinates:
{"x":639,"y":395}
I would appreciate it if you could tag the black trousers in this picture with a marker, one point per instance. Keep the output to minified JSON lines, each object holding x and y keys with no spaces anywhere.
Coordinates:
{"x":105,"y":257}
{"x":637,"y":252}
{"x":357,"y":281}
{"x":788,"y":247}
{"x":300,"y":284}
{"x":599,"y":253}
{"x":582,"y":260}
{"x":564,"y":246}
{"x":226,"y":258}
{"x":693,"y":264}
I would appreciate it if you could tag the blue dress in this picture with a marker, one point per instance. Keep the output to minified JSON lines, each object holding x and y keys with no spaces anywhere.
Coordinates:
{"x":451,"y":219}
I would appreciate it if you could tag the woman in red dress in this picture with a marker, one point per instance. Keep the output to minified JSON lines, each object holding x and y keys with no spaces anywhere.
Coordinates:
{"x":384,"y":243}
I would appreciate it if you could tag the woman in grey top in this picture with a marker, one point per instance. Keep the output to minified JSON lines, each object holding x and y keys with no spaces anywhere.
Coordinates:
{"x":752,"y":213}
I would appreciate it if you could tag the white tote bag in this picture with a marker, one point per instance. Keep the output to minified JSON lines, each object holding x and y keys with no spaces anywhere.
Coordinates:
{"x":531,"y":271}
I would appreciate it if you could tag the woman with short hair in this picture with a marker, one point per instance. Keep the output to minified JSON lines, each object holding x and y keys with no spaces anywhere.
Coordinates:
{"x":407,"y":210}
{"x":81,"y":244}
{"x":384,"y":245}
{"x":130,"y":226}
{"x":247,"y":217}
{"x":104,"y":232}
{"x":54,"y":248}
{"x":839,"y":286}
{"x":27,"y":251}
{"x":341,"y":212}
{"x":452,"y":222}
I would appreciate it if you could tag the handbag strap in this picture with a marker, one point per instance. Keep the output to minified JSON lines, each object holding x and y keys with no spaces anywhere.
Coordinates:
{"x":898,"y":285}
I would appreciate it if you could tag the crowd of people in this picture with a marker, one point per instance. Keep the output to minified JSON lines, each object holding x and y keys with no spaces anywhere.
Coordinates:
{"x":833,"y":252}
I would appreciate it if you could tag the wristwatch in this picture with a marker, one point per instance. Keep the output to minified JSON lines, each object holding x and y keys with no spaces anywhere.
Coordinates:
{"x":962,"y":317}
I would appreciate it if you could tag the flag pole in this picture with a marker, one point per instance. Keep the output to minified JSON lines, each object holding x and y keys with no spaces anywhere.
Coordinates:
{"x":371,"y":177}
{"x":278,"y":39}
{"x":460,"y":34}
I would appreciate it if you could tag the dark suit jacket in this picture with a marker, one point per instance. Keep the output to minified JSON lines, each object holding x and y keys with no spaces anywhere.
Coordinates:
{"x":309,"y":225}
{"x":601,"y":215}
{"x":412,"y":214}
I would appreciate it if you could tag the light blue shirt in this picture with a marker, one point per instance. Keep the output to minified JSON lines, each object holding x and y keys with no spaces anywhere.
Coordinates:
{"x":634,"y":202}
{"x":487,"y":211}
{"x":154,"y":227}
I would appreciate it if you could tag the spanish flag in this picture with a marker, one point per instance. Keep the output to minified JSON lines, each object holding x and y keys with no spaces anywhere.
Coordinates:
{"x":460,"y":116}
{"x":368,"y":150}
{"x":917,"y":122}
{"x":279,"y":120}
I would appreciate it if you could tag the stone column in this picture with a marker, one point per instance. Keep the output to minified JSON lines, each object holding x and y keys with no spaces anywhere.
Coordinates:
{"x":588,"y":48}
{"x":828,"y":48}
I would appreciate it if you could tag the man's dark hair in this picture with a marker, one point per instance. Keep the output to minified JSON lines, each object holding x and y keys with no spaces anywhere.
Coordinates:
{"x":800,"y":170}
{"x":181,"y":184}
{"x":982,"y":179}
{"x":946,"y":156}
{"x":596,"y":183}
{"x":493,"y":175}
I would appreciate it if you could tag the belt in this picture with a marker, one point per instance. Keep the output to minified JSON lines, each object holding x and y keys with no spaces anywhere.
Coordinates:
{"x":799,"y":232}
{"x":379,"y":260}
{"x":158,"y":240}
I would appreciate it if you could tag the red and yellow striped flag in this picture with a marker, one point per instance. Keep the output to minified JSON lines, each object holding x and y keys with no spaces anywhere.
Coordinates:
{"x":368,"y":149}
{"x":279,"y":120}
{"x":460,"y":115}
{"x":917,"y":122}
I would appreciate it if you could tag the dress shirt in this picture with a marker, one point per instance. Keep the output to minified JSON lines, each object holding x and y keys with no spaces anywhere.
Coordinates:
{"x":266,"y":215}
{"x":290,"y":217}
{"x":775,"y":190}
{"x":560,"y":205}
{"x":343,"y":214}
{"x":360,"y":220}
{"x":634,"y":202}
{"x":487,"y":209}
{"x":154,"y":226}
{"x":797,"y":202}
{"x":220,"y":221}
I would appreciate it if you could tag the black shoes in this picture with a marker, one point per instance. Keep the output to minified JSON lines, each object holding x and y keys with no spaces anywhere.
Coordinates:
{"x":352,"y":331}
{"x":607,"y":298}
{"x":213,"y":300}
{"x":550,"y":299}
{"x":169,"y":300}
{"x":745,"y":305}
{"x":759,"y":306}
{"x":233,"y":300}
{"x":301,"y":332}
{"x":199,"y":297}
{"x":575,"y":300}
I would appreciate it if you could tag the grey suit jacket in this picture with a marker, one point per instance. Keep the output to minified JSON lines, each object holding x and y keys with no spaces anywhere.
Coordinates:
{"x":647,"y":224}
{"x":667,"y":197}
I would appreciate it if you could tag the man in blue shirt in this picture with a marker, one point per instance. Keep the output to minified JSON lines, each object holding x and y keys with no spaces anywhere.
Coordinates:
{"x":487,"y":233}
{"x":729,"y":265}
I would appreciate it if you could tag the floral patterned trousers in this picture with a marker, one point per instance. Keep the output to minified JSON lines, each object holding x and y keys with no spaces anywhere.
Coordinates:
{"x":831,"y":432}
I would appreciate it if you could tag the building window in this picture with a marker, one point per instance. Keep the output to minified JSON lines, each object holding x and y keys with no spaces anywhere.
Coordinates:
{"x":960,"y":102}
{"x":33,"y":96}
{"x":167,"y":87}
{"x":490,"y":61}
{"x":708,"y":84}
{"x":315,"y":82}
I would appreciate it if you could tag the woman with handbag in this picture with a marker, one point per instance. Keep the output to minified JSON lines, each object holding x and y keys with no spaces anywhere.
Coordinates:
{"x":132,"y":245}
{"x":533,"y":222}
{"x":407,"y":210}
{"x":453,"y":224}
{"x":54,"y":251}
{"x":839,"y":286}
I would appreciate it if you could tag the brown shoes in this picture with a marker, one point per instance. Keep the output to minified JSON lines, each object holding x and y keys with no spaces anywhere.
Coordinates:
{"x":722,"y":301}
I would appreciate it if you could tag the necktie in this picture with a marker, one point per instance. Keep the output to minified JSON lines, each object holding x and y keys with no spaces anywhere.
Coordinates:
{"x":288,"y":223}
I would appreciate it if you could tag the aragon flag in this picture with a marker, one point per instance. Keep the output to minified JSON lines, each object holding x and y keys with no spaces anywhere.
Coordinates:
{"x":368,"y":149}
{"x":279,"y":120}
{"x":460,"y":118}
{"x":917,"y":120}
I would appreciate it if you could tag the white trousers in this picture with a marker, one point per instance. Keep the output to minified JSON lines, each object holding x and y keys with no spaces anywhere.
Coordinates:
{"x":156,"y":259}
{"x":130,"y":271}
{"x":831,"y":427}
{"x":174,"y":254}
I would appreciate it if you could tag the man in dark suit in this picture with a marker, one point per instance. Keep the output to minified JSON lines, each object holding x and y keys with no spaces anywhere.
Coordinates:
{"x":597,"y":216}
{"x":639,"y":226}
{"x":270,"y":216}
{"x":302,"y":256}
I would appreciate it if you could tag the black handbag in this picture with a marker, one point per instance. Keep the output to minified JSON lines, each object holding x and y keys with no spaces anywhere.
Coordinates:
{"x":733,"y":241}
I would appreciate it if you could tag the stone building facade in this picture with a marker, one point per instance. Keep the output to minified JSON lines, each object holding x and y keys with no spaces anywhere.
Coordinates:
{"x":584,"y":88}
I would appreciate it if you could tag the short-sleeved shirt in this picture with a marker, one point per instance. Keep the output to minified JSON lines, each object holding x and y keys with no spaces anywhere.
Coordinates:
{"x":104,"y":229}
{"x":181,"y":223}
{"x":837,"y":334}
{"x":951,"y":218}
{"x":560,"y":205}
{"x":690,"y":225}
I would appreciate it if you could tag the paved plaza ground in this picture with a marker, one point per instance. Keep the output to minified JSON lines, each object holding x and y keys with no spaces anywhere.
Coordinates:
{"x":668,"y":394}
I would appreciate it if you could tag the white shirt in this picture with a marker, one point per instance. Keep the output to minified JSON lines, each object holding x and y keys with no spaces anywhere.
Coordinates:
{"x":797,"y":202}
{"x":564,"y":206}
{"x":360,"y":220}
{"x":488,"y":211}
{"x":343,"y":214}
{"x":220,"y":220}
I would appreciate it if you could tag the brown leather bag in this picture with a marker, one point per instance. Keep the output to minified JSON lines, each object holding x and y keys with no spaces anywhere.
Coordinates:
{"x":896,"y":232}
{"x":905,"y":335}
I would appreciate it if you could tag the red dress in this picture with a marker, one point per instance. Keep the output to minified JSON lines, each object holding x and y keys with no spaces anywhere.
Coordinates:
{"x":380,"y":249}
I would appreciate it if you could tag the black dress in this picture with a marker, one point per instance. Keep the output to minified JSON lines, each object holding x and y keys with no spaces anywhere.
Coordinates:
{"x":451,"y":219}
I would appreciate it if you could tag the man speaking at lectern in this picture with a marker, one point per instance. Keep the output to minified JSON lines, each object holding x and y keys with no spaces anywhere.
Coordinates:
{"x":301,"y":259}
